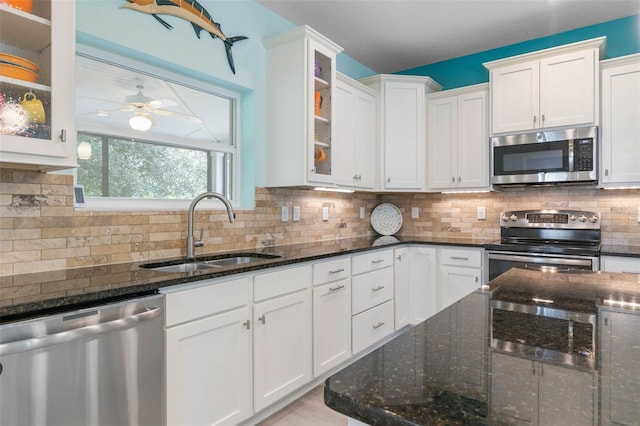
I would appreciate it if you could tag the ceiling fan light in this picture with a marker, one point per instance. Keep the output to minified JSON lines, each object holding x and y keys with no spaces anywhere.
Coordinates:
{"x":84,"y":150}
{"x":140,"y":122}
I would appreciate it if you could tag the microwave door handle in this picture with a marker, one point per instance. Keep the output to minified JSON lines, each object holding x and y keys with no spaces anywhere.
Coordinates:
{"x":540,"y":260}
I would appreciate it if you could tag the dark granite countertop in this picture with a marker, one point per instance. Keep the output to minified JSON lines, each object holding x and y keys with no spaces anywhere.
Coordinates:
{"x":618,"y":250}
{"x":80,"y":287}
{"x":454,"y":369}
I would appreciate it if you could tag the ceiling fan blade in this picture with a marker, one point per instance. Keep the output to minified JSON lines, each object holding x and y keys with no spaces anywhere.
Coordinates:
{"x":162,"y":103}
{"x":180,"y":115}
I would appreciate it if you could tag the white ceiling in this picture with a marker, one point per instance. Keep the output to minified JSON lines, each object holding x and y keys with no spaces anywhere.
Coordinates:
{"x":395,"y":35}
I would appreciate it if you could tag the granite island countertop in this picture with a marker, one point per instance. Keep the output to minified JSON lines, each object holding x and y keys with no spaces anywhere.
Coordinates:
{"x":55,"y":291}
{"x":451,"y":369}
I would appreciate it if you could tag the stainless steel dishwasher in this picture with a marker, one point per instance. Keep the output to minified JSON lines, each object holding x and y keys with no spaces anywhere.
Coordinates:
{"x":95,"y":366}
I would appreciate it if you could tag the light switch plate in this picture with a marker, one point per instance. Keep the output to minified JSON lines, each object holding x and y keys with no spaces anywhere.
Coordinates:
{"x":415,"y":212}
{"x":325,"y":214}
{"x":362,"y":213}
{"x":481,"y":213}
{"x":285,"y":213}
{"x":296,"y":213}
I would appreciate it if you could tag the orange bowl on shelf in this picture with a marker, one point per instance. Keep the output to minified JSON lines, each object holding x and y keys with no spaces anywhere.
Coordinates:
{"x":17,"y":60}
{"x":20,"y":73}
{"x":23,"y":5}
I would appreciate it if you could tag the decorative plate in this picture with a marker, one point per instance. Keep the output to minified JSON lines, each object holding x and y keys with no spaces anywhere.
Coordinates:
{"x":385,"y":239}
{"x":386,"y":219}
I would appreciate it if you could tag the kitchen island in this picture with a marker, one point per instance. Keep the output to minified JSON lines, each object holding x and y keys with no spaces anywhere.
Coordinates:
{"x":488,"y":360}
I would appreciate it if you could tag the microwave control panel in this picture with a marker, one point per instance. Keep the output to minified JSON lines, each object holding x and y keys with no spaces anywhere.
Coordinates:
{"x":583,"y":155}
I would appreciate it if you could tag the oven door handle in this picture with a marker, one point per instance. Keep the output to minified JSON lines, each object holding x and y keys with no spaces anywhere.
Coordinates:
{"x":540,"y":260}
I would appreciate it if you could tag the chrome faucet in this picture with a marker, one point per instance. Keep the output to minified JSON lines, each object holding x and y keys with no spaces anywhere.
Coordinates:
{"x":191,"y":242}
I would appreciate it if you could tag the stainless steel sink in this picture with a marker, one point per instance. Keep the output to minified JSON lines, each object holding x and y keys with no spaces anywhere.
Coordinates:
{"x":210,"y":264}
{"x":182,"y":267}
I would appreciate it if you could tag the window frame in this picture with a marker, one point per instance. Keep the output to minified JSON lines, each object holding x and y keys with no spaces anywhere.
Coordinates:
{"x":138,"y":204}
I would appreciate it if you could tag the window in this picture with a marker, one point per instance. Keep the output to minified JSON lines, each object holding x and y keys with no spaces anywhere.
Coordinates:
{"x":152,"y":138}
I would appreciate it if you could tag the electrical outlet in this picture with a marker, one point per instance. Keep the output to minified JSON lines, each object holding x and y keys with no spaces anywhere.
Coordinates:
{"x":481,"y":213}
{"x":362,"y":213}
{"x":296,"y":213}
{"x":415,"y":212}
{"x":285,"y":213}
{"x":638,"y":222}
{"x":325,"y":214}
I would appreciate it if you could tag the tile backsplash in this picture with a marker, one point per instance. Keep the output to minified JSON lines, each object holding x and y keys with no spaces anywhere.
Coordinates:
{"x":41,"y":231}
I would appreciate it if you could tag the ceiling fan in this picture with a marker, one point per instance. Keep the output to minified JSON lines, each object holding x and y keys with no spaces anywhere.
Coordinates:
{"x":143,"y":107}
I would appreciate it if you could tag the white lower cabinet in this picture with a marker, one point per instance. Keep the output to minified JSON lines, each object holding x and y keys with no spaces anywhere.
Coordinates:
{"x":554,"y":394}
{"x":331,"y":325}
{"x":372,"y":325}
{"x":459,"y":273}
{"x":620,"y":368}
{"x":208,"y":354}
{"x":282,"y":339}
{"x":423,"y":282}
{"x":620,"y":264}
{"x":401,"y":296}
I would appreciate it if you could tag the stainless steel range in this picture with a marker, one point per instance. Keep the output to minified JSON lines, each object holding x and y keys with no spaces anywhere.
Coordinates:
{"x":554,"y":240}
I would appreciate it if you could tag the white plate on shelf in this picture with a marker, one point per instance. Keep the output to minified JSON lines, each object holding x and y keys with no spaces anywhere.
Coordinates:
{"x":386,"y":219}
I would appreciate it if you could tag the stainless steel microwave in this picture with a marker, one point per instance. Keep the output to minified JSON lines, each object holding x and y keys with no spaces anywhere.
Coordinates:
{"x":555,"y":156}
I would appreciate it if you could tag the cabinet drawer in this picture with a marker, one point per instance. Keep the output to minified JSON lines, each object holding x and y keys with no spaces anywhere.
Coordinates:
{"x":332,"y":270}
{"x":371,"y":261}
{"x":370,"y":326}
{"x":187,"y":305}
{"x":371,"y":289}
{"x":283,"y":281}
{"x":461,"y":257}
{"x":620,"y":264}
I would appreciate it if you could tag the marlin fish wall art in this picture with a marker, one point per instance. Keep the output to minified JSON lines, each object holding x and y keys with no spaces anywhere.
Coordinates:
{"x":189,"y":10}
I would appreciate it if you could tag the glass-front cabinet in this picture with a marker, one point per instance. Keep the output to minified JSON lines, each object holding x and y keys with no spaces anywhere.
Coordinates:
{"x":37,"y":43}
{"x":301,"y":77}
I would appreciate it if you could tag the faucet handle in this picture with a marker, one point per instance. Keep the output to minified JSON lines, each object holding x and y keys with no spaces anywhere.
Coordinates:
{"x":200,"y":242}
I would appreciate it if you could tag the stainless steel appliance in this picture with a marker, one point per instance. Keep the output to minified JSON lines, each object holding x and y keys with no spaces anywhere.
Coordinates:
{"x":560,"y":240}
{"x":557,"y":156}
{"x":95,"y":366}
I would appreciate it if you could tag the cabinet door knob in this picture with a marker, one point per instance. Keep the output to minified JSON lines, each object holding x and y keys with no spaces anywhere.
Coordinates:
{"x":63,"y":135}
{"x":247,"y":324}
{"x":262,"y":319}
{"x":535,"y":119}
{"x":389,"y":179}
{"x":542,"y":119}
{"x":606,"y":172}
{"x":453,"y":179}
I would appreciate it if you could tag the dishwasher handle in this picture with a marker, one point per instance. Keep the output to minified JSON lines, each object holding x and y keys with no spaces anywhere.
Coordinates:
{"x":78,"y":333}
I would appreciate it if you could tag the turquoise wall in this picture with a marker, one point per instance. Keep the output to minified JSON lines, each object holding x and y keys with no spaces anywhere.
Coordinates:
{"x":623,"y":38}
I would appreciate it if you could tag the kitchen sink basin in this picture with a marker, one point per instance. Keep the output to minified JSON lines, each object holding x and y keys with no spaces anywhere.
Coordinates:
{"x":220,"y":261}
{"x":182,"y":267}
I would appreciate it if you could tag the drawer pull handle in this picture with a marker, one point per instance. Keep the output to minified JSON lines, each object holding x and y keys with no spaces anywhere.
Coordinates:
{"x":378,"y":325}
{"x":377,"y":261}
{"x":262,"y":319}
{"x":340,"y":287}
{"x":380,"y":287}
{"x":336,"y":271}
{"x":459,"y":258}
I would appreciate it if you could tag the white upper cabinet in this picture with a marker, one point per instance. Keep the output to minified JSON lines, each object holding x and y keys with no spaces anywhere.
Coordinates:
{"x":301,"y":79}
{"x":354,"y":141}
{"x":402,"y":130}
{"x":620,"y":124}
{"x":37,"y":124}
{"x":458,"y":139}
{"x":551,"y":88}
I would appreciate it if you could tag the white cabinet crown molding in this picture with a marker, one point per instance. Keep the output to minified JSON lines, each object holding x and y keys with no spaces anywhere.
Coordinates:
{"x":430,"y":84}
{"x":599,"y":42}
{"x":303,"y":31}
{"x":619,"y":61}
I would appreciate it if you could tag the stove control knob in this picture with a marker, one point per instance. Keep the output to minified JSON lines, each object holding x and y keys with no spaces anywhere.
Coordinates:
{"x":583,"y":218}
{"x":513,"y":217}
{"x":572,"y":218}
{"x":505,"y":218}
{"x":593,"y":219}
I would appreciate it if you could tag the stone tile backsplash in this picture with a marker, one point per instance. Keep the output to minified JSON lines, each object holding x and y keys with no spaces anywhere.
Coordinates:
{"x":41,"y":231}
